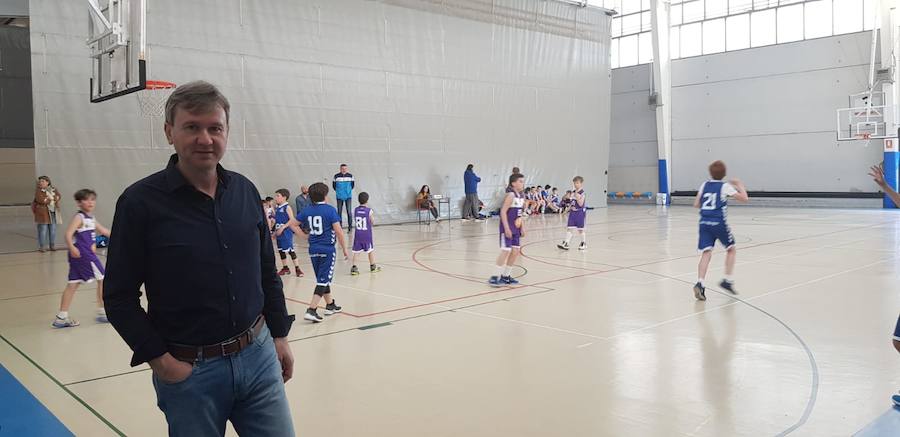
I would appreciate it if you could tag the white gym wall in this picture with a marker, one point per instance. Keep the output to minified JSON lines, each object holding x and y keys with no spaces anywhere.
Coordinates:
{"x":768,"y":112}
{"x":405,"y":92}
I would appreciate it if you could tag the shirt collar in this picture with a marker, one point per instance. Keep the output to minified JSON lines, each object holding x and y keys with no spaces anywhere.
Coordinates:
{"x":176,"y":180}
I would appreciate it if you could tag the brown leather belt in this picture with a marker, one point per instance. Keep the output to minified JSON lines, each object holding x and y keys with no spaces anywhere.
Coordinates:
{"x":192,"y":354}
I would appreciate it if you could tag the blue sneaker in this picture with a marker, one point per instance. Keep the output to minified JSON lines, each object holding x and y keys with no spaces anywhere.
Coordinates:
{"x":728,"y":286}
{"x":495,"y":281}
{"x":509,"y":280}
{"x":699,"y":291}
{"x":896,"y":399}
{"x":64,"y":323}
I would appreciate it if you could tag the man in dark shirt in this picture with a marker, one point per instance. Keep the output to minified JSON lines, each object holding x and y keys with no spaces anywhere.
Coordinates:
{"x":302,"y":200}
{"x":216,"y":323}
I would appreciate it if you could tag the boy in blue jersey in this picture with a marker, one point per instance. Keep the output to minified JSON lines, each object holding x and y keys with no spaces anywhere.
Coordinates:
{"x":324,"y":225}
{"x":877,"y":174}
{"x":712,"y":199}
{"x":284,"y":232}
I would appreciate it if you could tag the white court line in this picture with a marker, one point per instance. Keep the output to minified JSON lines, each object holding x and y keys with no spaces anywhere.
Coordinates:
{"x":802,"y":284}
{"x":583,"y":345}
{"x":785,"y":255}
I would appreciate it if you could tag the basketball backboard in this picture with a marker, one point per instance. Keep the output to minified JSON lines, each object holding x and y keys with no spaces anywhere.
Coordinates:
{"x":116,"y":38}
{"x":864,"y":119}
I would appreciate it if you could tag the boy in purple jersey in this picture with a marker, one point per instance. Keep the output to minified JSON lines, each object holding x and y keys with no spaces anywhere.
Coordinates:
{"x":84,"y":266}
{"x":577,"y":212}
{"x":511,"y":231}
{"x":362,"y":234}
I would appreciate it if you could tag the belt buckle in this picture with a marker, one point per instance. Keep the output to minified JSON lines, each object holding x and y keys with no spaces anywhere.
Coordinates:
{"x":228,"y":343}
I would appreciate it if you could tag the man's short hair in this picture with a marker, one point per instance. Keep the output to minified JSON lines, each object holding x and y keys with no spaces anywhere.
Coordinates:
{"x":317,"y":192}
{"x":514,"y":177}
{"x":195,"y":97}
{"x":363,"y":198}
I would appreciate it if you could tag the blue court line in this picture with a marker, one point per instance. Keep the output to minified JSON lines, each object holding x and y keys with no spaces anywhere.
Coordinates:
{"x":888,"y":424}
{"x":22,"y":414}
{"x":63,"y":387}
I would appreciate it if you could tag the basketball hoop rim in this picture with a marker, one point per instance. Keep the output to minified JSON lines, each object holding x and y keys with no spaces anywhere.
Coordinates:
{"x":158,"y":85}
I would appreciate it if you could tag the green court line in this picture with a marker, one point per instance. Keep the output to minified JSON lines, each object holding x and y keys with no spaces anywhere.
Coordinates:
{"x":60,"y":385}
{"x":377,"y":325}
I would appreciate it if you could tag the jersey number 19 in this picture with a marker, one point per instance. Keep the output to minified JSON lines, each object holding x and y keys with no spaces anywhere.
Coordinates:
{"x":315,"y":225}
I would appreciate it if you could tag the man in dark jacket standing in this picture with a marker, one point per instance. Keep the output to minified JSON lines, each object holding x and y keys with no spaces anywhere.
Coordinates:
{"x":470,"y":206}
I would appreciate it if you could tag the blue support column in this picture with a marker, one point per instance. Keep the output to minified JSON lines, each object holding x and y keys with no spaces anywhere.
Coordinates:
{"x":664,"y":180}
{"x":890,"y":173}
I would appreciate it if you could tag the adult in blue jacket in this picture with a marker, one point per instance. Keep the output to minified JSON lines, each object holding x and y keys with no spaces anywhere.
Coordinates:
{"x":470,"y":206}
{"x":343,"y":185}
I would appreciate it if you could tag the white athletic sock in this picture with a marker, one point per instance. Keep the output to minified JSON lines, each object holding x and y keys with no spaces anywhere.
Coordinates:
{"x":700,"y":281}
{"x":568,"y":237}
{"x":507,"y":270}
{"x":500,"y":270}
{"x":62,"y":315}
{"x":101,"y":311}
{"x":583,"y":237}
{"x":728,"y":278}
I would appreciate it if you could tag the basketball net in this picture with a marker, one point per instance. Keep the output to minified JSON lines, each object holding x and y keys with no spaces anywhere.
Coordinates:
{"x":153,"y":97}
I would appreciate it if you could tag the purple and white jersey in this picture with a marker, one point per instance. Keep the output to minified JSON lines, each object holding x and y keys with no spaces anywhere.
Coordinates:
{"x":362,"y":235}
{"x":85,"y":235}
{"x":514,"y":212}
{"x":88,"y":267}
{"x":575,"y":207}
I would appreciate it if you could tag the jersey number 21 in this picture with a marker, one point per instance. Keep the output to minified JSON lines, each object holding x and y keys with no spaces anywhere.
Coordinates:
{"x":709,"y":201}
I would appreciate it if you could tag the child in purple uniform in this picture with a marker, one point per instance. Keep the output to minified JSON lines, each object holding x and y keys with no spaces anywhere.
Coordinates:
{"x":84,"y":266}
{"x":511,"y":231}
{"x":577,"y":212}
{"x":362,"y":234}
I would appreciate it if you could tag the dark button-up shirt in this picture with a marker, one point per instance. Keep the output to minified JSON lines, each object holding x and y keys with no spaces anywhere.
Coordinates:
{"x":302,"y":201}
{"x":206,"y":264}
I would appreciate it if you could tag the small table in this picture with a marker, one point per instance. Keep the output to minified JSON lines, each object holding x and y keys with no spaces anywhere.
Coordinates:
{"x":440,"y":198}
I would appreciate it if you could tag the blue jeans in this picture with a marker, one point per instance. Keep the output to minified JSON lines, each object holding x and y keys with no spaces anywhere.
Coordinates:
{"x":47,"y":233}
{"x":245,"y":388}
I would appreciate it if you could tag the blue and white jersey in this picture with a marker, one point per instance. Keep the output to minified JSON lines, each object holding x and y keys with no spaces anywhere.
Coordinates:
{"x":319,"y":218}
{"x":281,"y":215}
{"x":714,"y":201}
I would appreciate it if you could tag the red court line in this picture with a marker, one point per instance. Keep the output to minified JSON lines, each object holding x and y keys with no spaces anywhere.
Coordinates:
{"x":590,"y":272}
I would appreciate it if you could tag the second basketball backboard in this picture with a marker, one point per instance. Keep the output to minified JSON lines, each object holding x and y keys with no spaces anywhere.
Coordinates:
{"x":116,"y":38}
